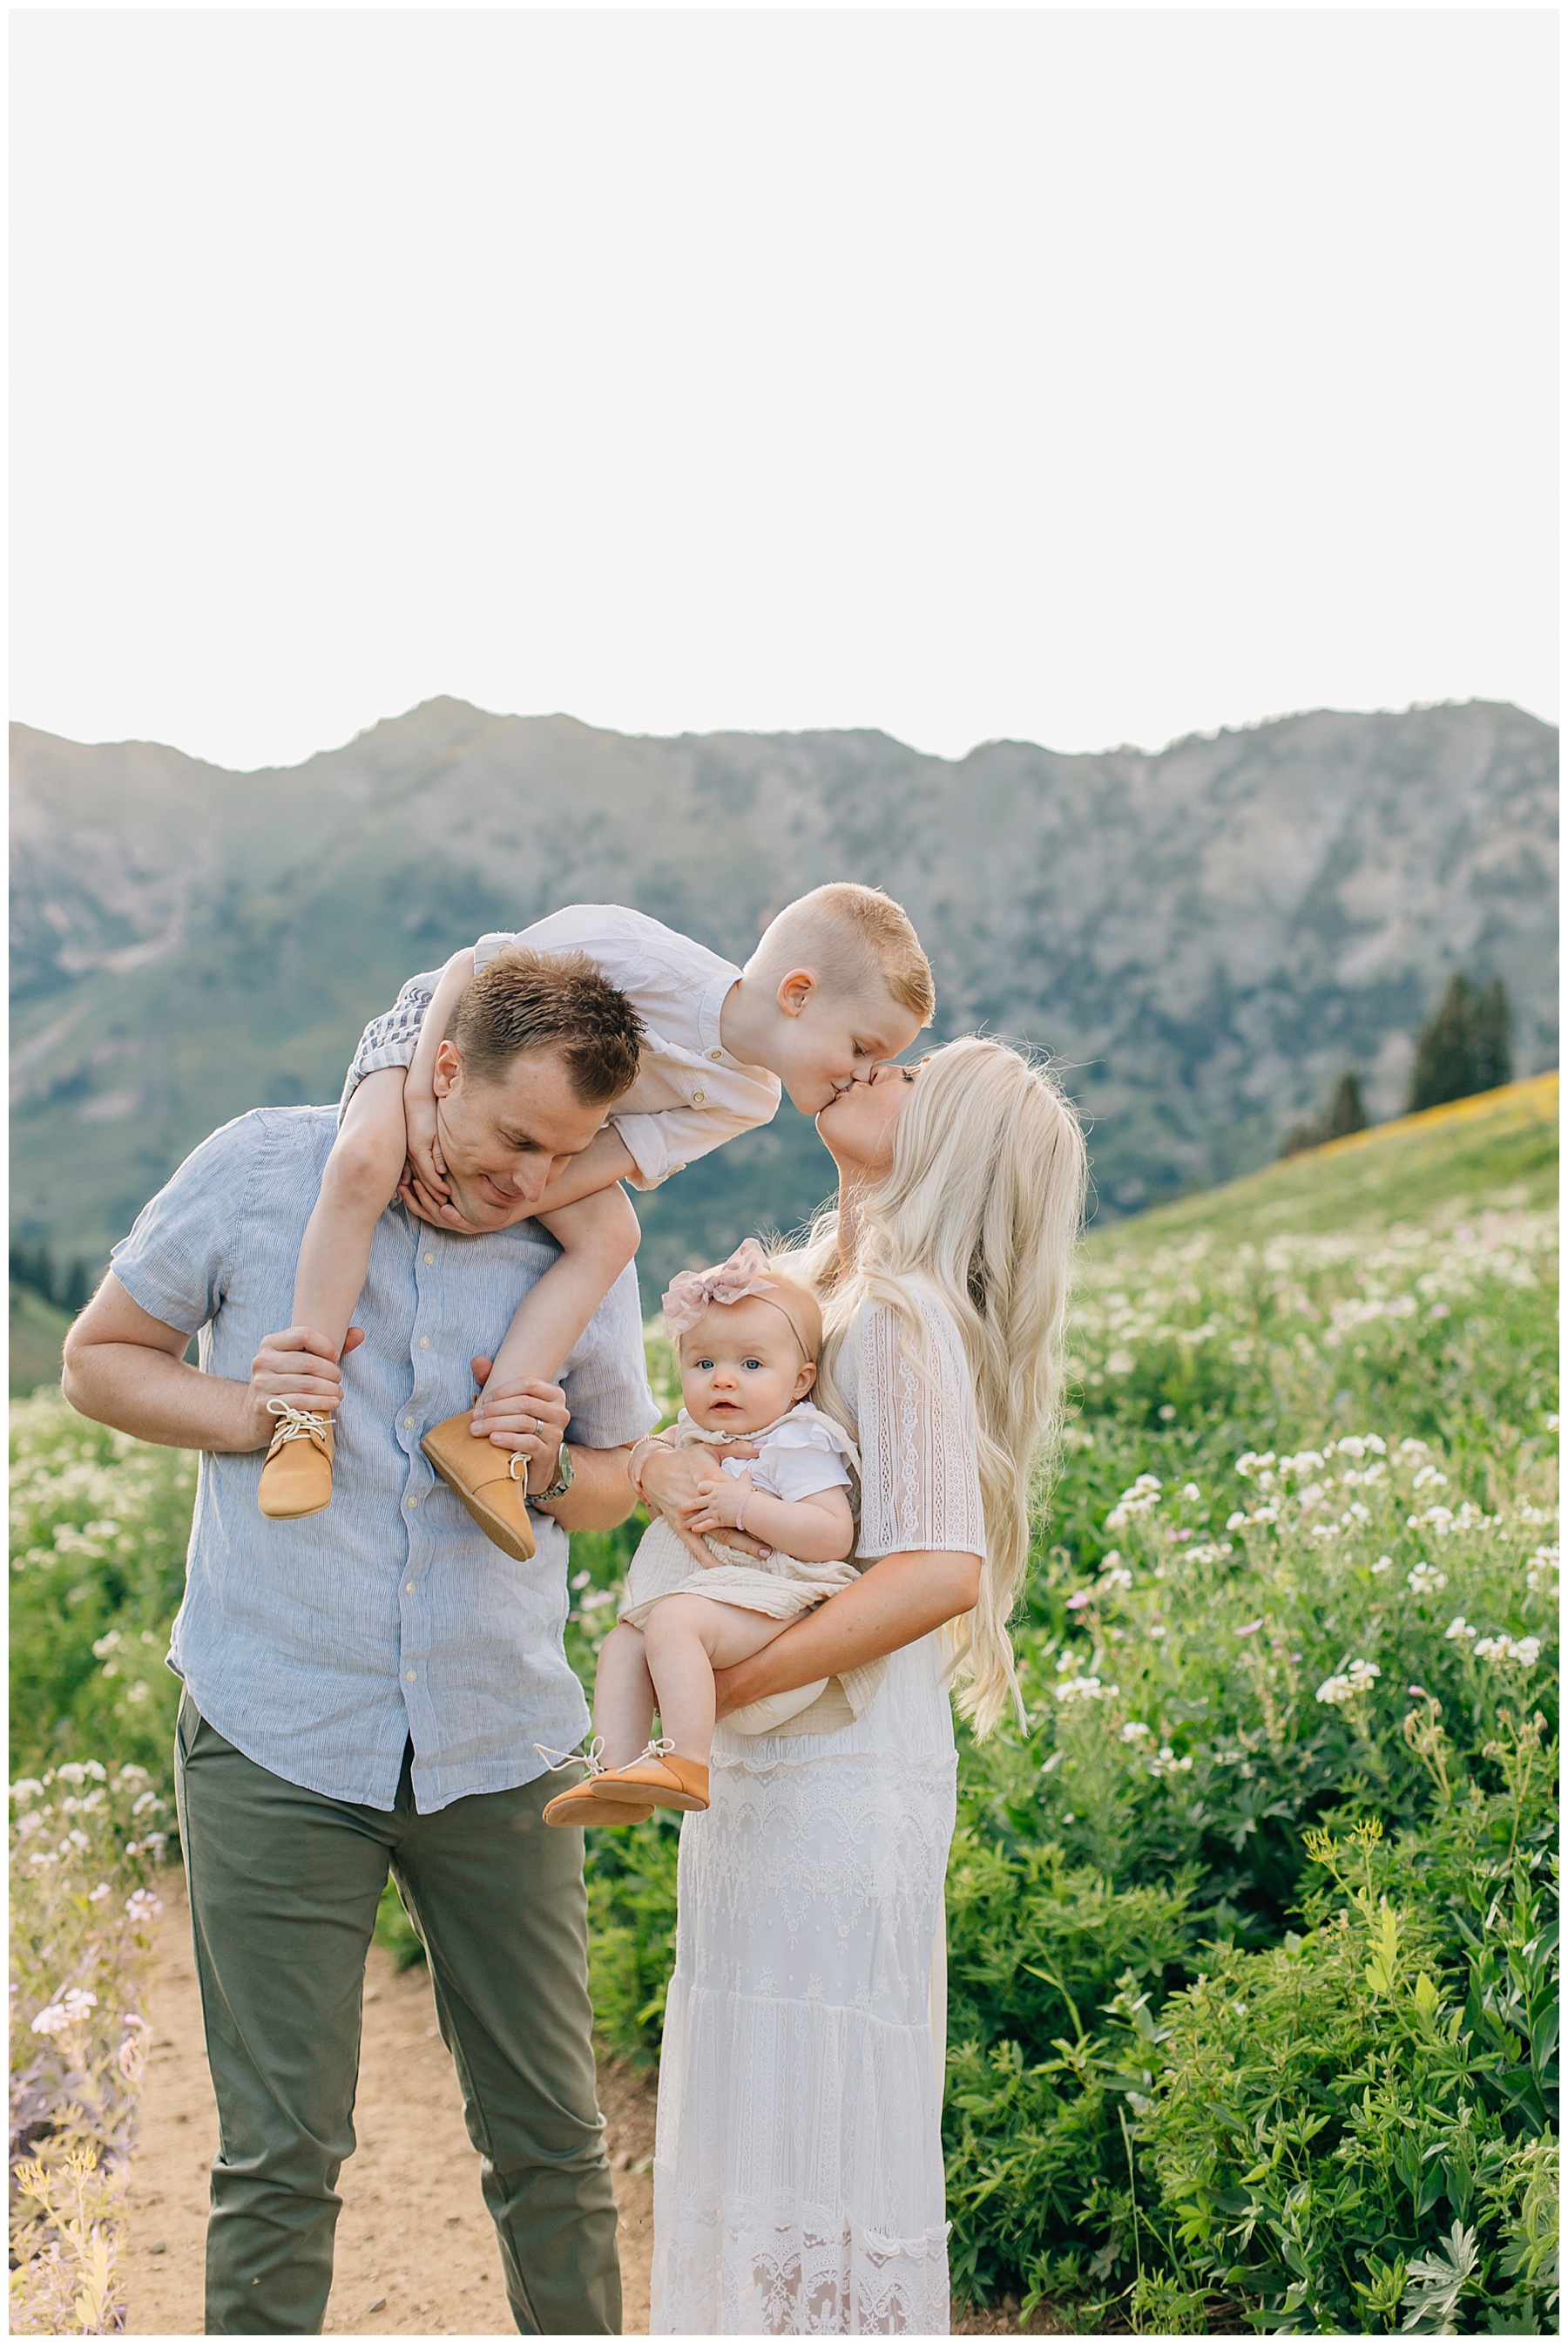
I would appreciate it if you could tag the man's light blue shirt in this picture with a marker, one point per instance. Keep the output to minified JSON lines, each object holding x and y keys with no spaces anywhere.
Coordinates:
{"x":319,"y":1647}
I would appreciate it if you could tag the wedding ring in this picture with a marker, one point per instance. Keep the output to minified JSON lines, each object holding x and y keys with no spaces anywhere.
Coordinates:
{"x":539,"y":1428}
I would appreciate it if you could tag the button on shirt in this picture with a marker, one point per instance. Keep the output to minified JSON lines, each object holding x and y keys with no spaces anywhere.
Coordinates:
{"x":320,"y":1647}
{"x":691,"y":1095}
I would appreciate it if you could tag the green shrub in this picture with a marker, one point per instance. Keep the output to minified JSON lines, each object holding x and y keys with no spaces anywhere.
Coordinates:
{"x":99,"y":1526}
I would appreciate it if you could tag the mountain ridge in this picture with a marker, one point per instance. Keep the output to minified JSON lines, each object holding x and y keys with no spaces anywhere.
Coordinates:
{"x":1204,"y":934}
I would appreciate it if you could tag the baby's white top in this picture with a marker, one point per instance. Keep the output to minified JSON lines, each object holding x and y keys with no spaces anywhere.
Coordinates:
{"x":691,"y":1095}
{"x":805,"y":1452}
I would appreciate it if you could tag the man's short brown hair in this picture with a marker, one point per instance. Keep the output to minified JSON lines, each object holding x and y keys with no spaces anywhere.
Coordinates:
{"x":526,"y":1000}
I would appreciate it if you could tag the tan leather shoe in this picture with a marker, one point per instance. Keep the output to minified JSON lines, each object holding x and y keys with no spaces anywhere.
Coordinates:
{"x":297,"y":1478}
{"x":579,"y":1808}
{"x":659,"y":1775}
{"x":481,"y":1475}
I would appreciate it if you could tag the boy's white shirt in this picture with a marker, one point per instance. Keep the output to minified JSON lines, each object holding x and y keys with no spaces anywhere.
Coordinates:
{"x":691,"y":1095}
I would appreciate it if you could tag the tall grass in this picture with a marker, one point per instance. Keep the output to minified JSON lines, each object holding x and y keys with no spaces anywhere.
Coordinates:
{"x":1252,"y":1935}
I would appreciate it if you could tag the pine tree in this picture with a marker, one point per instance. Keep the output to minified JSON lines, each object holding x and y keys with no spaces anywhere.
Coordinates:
{"x":35,"y":1268}
{"x":75,"y":1291}
{"x":1346,"y":1113}
{"x":1445,"y":1051}
{"x":1493,"y":1057}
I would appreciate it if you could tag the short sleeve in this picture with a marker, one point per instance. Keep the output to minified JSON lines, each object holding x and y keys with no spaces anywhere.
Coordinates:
{"x":919,"y":1467}
{"x":392,"y":1040}
{"x":795,"y":1473}
{"x":176,"y":1262}
{"x":606,"y":1378}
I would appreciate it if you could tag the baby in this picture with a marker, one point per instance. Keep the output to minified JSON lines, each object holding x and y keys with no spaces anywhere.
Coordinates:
{"x":748,"y":1341}
{"x":838,"y":982}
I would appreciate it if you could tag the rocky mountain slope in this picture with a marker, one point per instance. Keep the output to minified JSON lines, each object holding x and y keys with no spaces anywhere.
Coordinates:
{"x":1203,"y":937}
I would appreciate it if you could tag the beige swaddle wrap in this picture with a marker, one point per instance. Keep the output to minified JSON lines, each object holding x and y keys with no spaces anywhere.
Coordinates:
{"x":805,"y":1450}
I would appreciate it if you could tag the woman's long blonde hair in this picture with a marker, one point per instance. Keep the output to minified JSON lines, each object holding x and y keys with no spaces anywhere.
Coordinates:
{"x":983,"y":1203}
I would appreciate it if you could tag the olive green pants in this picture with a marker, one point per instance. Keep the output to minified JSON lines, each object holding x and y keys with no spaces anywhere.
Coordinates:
{"x":284,"y":1885}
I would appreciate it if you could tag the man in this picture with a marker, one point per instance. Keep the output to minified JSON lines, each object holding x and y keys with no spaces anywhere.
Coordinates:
{"x":364,"y":1689}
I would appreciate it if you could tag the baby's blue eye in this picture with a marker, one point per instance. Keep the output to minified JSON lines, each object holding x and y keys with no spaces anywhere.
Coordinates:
{"x":703,"y":1363}
{"x":751,"y":1363}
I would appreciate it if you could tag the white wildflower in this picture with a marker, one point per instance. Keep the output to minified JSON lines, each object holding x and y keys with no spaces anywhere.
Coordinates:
{"x":1085,"y":1688}
{"x":1384,"y":1562}
{"x":1140,"y":1498}
{"x":1167,"y":1762}
{"x":1135,"y":1731}
{"x":1458,"y":1629}
{"x":1509,"y":1654}
{"x":1426,"y":1579}
{"x":1359,"y":1677}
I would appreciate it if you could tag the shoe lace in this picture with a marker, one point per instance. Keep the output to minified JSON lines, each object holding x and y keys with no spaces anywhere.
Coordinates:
{"x":590,"y":1758}
{"x":655,"y":1750}
{"x":296,"y":1423}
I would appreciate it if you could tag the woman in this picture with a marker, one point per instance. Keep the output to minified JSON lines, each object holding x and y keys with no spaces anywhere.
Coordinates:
{"x":798,"y":2175}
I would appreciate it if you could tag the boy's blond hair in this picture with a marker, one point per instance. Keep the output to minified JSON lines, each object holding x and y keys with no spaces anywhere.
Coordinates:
{"x":853,"y":939}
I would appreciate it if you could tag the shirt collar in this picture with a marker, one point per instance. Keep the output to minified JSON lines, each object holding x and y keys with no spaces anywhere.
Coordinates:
{"x":714,"y":995}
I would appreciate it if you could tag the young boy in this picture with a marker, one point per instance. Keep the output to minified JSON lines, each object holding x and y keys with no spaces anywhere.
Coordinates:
{"x":838,"y":982}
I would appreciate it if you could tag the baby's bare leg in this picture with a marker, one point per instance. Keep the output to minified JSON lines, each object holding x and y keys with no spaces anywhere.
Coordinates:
{"x":359,"y":1182}
{"x":599,"y":1235}
{"x":687,"y":1638}
{"x":623,"y":1696}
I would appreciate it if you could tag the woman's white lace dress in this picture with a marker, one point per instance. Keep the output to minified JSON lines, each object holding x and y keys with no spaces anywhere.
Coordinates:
{"x":797,"y":2181}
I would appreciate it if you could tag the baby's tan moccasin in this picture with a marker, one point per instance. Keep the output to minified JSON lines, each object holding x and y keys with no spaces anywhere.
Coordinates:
{"x":661,"y":1775}
{"x":578,"y":1807}
{"x":297,"y":1478}
{"x":481,"y":1475}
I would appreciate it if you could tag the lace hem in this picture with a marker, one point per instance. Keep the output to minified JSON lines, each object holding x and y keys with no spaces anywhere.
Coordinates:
{"x":777,"y":2267}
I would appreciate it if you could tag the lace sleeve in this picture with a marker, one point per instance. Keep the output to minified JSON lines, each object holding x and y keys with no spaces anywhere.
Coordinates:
{"x":919,"y":1477}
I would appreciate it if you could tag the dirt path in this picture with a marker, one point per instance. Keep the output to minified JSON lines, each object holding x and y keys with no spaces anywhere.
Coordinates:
{"x":416,"y":2251}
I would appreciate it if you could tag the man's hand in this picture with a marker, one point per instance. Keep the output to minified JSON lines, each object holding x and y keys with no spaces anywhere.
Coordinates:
{"x":296,"y":1366}
{"x":672,"y":1481}
{"x":529,"y":1419}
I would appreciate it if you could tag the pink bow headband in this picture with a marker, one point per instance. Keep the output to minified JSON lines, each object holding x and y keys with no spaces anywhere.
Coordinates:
{"x":691,"y":1293}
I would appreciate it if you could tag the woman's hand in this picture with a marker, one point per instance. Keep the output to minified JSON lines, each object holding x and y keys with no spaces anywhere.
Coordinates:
{"x":672,"y":1482}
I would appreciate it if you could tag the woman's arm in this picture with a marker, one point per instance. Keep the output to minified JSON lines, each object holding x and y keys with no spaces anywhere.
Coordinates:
{"x":893,"y":1603}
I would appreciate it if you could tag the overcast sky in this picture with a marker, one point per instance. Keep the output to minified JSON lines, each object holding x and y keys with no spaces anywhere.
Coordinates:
{"x":1088,"y":378}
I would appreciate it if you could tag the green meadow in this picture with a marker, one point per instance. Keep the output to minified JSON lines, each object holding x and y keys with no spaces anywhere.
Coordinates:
{"x":1251,"y":1931}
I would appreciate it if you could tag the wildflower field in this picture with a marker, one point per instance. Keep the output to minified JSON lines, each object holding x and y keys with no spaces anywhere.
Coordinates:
{"x":1251,"y":1928}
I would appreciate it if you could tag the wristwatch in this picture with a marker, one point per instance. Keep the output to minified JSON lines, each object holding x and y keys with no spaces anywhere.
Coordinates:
{"x":562,"y":1483}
